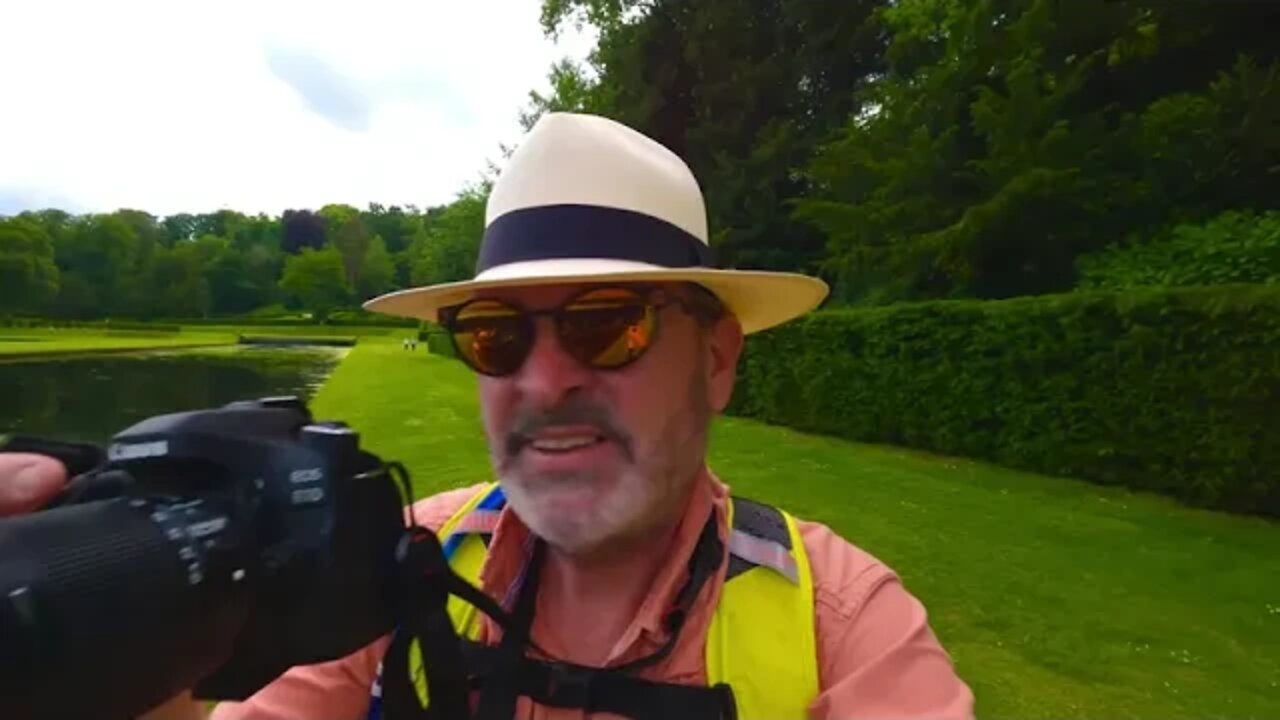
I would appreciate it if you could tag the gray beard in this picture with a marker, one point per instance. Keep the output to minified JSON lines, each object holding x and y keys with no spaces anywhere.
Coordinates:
{"x":670,"y":476}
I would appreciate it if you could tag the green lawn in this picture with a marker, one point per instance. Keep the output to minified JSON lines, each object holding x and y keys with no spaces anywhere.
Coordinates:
{"x":17,"y":342}
{"x":29,"y":342}
{"x":1056,"y":598}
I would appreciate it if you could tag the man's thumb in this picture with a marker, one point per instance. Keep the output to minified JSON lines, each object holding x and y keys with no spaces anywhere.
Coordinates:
{"x":28,"y":481}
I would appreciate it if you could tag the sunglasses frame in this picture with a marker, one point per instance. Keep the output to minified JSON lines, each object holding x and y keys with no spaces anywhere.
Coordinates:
{"x":644,"y":293}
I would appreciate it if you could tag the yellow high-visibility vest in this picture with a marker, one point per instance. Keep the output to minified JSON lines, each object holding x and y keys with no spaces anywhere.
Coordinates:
{"x":761,"y":639}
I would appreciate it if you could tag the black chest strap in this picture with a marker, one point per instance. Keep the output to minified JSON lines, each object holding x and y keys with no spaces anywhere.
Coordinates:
{"x":595,"y":690}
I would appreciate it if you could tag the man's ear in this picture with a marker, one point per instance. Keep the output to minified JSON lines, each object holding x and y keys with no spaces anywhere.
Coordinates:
{"x":723,"y":348}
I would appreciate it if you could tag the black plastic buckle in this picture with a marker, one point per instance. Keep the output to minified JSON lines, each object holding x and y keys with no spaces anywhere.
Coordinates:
{"x":728,"y":703}
{"x":569,"y":686}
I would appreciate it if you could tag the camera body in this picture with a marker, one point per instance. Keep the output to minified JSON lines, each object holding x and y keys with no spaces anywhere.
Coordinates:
{"x":211,"y":550}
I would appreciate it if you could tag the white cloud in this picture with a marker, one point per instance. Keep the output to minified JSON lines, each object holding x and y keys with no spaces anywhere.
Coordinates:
{"x":260,"y":106}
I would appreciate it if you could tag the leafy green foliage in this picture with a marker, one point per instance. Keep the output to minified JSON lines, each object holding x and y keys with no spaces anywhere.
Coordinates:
{"x":742,"y":90}
{"x":301,"y":229}
{"x":316,"y":278}
{"x":1172,"y":391}
{"x":1006,"y":139}
{"x":130,"y":264}
{"x":28,"y":276}
{"x":439,"y":343}
{"x":572,"y":90}
{"x":377,"y":274}
{"x":178,"y":277}
{"x":446,"y":250}
{"x":1234,"y":247}
{"x":395,"y":225}
{"x":351,"y":238}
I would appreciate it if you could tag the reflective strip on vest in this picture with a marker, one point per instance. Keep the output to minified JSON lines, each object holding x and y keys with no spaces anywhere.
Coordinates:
{"x":759,"y":551}
{"x":761,"y":641}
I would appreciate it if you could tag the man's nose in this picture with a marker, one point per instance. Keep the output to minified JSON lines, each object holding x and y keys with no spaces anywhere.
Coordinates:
{"x":549,"y":374}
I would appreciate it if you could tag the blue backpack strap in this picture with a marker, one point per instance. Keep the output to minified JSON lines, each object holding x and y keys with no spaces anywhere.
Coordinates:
{"x":480,"y":521}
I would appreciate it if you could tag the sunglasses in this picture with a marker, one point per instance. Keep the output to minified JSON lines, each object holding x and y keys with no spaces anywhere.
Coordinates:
{"x":604,"y":328}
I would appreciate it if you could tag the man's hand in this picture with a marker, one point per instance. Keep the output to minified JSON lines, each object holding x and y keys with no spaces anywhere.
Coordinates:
{"x":29,"y":481}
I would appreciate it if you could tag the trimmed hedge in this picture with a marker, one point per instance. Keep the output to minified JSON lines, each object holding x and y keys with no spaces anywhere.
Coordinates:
{"x":100,"y":325}
{"x":437,"y":342}
{"x":1169,"y":390}
{"x":1234,"y":247}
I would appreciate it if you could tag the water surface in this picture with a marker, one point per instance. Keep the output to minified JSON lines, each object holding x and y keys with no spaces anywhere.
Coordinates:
{"x":91,"y":398}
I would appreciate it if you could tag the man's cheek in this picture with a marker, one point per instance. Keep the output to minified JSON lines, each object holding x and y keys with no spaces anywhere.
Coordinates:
{"x":493,"y":417}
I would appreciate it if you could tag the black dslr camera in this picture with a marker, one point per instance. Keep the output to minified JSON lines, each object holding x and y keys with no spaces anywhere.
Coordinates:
{"x":210,"y":550}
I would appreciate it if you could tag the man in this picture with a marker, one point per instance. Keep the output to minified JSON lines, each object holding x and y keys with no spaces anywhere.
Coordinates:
{"x":605,"y":341}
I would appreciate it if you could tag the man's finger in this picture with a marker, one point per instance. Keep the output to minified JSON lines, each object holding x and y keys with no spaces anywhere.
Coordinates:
{"x":28,"y":481}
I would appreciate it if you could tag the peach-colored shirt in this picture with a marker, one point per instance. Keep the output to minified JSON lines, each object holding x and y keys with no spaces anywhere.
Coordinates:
{"x":877,"y":656}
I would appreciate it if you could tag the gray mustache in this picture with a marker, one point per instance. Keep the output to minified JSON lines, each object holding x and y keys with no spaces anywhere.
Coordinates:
{"x":575,"y":412}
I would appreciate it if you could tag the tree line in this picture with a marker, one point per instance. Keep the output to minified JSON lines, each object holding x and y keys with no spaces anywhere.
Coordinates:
{"x":129,"y":263}
{"x":901,"y":149}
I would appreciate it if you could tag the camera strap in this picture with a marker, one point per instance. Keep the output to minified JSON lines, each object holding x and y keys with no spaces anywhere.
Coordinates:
{"x":455,"y":666}
{"x":505,"y":672}
{"x":427,"y":581}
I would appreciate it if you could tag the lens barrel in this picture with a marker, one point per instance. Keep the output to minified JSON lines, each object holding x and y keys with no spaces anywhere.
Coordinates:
{"x":109,"y":606}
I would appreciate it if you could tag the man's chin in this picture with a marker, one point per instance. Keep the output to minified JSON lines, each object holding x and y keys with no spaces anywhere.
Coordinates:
{"x":572,"y":535}
{"x":572,"y":518}
{"x":550,"y":494}
{"x":562,"y":508}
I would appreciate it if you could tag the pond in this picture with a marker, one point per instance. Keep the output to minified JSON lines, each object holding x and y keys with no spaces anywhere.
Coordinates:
{"x":91,"y":398}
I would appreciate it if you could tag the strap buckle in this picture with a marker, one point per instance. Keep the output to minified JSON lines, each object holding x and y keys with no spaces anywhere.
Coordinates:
{"x":728,"y":703}
{"x":569,"y":686}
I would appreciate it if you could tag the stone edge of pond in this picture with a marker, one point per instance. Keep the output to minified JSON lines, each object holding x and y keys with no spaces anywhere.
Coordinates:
{"x":73,"y":354}
{"x":299,"y":340}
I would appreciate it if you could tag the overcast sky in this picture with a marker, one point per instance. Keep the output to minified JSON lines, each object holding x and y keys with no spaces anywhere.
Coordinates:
{"x":260,"y":105}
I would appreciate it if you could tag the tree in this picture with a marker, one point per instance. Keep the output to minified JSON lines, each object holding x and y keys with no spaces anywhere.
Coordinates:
{"x":102,"y":251}
{"x":57,"y":223}
{"x":351,"y":238}
{"x":378,"y":273}
{"x":336,"y":215}
{"x":145,"y":226}
{"x":572,"y":90}
{"x":178,"y":285}
{"x":393,"y":224}
{"x":317,"y":280}
{"x":301,"y":229}
{"x":256,"y":231}
{"x":232,"y":285}
{"x":179,"y":227}
{"x":222,"y":223}
{"x":263,"y":267}
{"x":446,"y":251}
{"x":1008,"y":138}
{"x":28,"y":275}
{"x":403,"y":263}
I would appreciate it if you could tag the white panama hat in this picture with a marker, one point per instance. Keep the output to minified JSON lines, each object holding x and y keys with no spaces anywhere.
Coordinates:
{"x":585,"y":199}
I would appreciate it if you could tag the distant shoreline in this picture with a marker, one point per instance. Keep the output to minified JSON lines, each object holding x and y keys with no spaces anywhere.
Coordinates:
{"x":75,"y":353}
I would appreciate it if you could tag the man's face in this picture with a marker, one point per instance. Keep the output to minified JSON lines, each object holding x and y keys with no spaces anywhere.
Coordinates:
{"x":593,"y":459}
